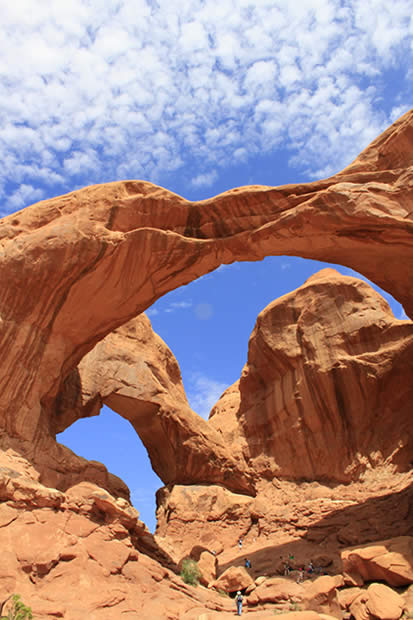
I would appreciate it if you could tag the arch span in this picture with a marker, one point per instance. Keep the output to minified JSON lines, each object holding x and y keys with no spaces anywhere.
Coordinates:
{"x":74,"y":268}
{"x":133,"y":372}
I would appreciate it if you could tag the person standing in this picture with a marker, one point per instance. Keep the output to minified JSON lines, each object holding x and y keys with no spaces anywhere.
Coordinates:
{"x":238,"y":600}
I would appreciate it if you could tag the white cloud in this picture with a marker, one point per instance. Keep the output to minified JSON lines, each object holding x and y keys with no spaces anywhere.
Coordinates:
{"x":141,"y":89}
{"x":178,"y":305}
{"x":205,"y":180}
{"x":181,"y":305}
{"x":25,"y":195}
{"x":203,"y":392}
{"x":175,"y":306}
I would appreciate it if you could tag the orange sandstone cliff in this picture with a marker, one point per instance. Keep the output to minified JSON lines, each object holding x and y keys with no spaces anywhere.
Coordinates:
{"x":310,"y":452}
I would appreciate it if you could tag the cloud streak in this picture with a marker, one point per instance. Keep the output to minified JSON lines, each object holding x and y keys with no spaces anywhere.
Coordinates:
{"x":203,"y":392}
{"x":92,"y":92}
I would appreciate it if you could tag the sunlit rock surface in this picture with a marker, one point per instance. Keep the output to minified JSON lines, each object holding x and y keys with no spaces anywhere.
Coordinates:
{"x":291,"y":482}
{"x":326,"y":392}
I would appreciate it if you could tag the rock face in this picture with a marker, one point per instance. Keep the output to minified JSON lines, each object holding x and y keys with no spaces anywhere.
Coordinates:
{"x":328,"y":365}
{"x":86,"y":554}
{"x":135,"y":374}
{"x":379,"y":601}
{"x":126,"y":244}
{"x":388,"y":560}
{"x":309,"y":452}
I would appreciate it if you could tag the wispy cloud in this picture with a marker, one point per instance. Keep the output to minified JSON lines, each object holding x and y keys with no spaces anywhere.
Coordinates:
{"x":175,"y":306}
{"x":203,"y":392}
{"x":97,"y":91}
{"x":178,"y":305}
{"x":205,"y":180}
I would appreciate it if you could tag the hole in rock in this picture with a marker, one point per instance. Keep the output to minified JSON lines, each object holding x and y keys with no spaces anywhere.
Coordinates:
{"x":111,"y":440}
{"x":207,"y":323}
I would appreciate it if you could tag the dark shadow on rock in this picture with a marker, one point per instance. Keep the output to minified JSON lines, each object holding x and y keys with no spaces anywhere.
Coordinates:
{"x":375,"y":519}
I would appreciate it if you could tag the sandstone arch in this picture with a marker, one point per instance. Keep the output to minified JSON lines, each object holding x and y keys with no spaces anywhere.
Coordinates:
{"x":74,"y":268}
{"x":133,"y":372}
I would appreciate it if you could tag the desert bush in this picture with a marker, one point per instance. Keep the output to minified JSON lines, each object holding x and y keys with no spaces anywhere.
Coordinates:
{"x":190,"y":572}
{"x":17,"y":610}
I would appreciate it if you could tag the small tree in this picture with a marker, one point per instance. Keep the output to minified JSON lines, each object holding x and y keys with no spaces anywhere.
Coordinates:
{"x":18,"y":610}
{"x":190,"y":572}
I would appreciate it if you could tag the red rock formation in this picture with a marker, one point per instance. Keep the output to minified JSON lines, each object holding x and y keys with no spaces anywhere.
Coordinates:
{"x":233,"y":579}
{"x":321,"y":595}
{"x":387,"y":560}
{"x":328,"y":365}
{"x":379,"y":601}
{"x":122,"y":246}
{"x":135,"y":374}
{"x":86,"y":554}
{"x":126,"y":244}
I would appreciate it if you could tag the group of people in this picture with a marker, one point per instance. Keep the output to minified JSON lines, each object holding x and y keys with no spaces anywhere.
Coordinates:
{"x":310,"y":570}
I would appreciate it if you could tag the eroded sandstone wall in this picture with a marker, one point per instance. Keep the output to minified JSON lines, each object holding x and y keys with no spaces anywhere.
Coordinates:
{"x":125,"y":244}
{"x":326,"y":392}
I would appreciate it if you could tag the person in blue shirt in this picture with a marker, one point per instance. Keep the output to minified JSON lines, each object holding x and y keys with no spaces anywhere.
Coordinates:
{"x":238,"y":599}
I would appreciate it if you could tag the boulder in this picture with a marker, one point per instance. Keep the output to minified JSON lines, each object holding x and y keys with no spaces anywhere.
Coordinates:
{"x":384,"y":603}
{"x":321,"y":595}
{"x":378,"y":601}
{"x":408,"y":598}
{"x":278,"y":590}
{"x":207,"y":567}
{"x":388,"y":560}
{"x":233,"y":579}
{"x":347,"y":596}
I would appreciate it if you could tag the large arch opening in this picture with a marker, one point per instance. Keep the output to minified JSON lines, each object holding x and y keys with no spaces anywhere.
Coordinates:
{"x":207,"y":325}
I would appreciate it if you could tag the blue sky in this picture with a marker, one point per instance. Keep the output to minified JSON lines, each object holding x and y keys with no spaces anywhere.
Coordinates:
{"x":197,"y":96}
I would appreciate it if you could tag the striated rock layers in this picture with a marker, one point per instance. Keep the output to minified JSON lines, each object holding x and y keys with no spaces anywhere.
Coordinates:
{"x":123,"y":245}
{"x":325,"y":399}
{"x":326,"y":392}
{"x":325,"y":395}
{"x":135,"y":373}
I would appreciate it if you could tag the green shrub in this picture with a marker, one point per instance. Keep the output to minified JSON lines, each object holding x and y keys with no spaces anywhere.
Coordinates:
{"x":190,"y":572}
{"x":18,"y":610}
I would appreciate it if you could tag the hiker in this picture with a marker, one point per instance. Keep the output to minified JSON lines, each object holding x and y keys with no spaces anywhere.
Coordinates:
{"x":238,"y":600}
{"x":286,"y":569}
{"x":310,"y":568}
{"x":247,"y":563}
{"x":300,"y":577}
{"x":240,"y":543}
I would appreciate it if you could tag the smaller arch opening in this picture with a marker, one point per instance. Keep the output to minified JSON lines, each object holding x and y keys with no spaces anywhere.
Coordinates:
{"x":112,"y":440}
